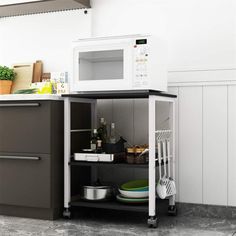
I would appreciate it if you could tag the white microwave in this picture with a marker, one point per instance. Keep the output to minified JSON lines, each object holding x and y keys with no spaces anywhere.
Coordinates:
{"x":135,"y":62}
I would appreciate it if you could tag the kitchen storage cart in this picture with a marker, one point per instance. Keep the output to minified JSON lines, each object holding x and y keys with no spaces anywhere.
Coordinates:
{"x":91,"y":98}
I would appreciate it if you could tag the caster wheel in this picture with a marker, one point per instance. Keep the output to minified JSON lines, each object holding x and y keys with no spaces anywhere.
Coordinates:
{"x":67,"y":214}
{"x":152,"y":222}
{"x":172,"y":211}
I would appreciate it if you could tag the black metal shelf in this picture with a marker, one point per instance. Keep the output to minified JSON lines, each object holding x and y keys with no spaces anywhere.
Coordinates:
{"x":112,"y":205}
{"x":111,"y":164}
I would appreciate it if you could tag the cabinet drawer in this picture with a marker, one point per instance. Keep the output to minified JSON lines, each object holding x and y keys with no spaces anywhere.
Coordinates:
{"x":25,"y":180}
{"x":25,"y":126}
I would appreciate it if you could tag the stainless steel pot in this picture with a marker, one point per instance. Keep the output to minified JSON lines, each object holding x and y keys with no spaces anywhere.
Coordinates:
{"x":95,"y":193}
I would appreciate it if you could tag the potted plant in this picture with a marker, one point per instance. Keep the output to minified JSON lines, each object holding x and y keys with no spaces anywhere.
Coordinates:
{"x":7,"y":76}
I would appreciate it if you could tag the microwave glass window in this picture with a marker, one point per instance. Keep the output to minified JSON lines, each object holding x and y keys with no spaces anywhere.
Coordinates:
{"x":101,"y":65}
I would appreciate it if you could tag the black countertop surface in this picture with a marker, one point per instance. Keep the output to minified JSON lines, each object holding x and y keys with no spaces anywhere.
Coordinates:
{"x":119,"y":94}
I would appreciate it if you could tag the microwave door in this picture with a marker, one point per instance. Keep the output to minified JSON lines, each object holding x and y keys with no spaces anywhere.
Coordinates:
{"x":103,"y":68}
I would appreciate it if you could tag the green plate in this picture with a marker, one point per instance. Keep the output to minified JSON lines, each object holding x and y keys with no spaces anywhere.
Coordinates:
{"x":135,"y":185}
{"x":131,"y":200}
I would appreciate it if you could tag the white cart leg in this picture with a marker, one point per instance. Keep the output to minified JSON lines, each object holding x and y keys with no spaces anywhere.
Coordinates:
{"x":152,"y":221}
{"x":172,"y":210}
{"x":172,"y":127}
{"x":67,"y":153}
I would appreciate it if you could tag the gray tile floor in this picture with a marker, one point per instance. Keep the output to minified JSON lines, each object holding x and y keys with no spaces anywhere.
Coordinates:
{"x":116,"y":224}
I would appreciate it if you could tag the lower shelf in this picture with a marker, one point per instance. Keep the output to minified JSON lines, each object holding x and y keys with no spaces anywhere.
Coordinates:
{"x":112,"y":205}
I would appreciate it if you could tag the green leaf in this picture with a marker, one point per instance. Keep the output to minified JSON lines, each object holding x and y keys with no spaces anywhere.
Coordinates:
{"x":7,"y":73}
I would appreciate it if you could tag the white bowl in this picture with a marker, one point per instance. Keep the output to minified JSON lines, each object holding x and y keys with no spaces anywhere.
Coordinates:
{"x":134,"y":194}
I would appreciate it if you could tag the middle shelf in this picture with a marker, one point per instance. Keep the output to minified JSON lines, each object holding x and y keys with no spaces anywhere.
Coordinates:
{"x":111,"y":164}
{"x":126,"y":165}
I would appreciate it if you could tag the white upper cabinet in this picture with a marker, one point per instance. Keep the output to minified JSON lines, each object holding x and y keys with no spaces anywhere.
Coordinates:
{"x":24,"y":7}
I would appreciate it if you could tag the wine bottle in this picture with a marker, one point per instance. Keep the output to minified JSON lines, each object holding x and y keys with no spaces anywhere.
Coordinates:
{"x":93,"y":141}
{"x":99,"y":146}
{"x":102,"y":130}
{"x":112,"y":133}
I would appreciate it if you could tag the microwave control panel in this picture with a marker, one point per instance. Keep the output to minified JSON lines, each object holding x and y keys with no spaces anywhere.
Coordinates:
{"x":140,"y":65}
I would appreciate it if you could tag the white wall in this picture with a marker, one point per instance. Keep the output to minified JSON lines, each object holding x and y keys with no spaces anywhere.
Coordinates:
{"x":46,"y":37}
{"x":201,"y":34}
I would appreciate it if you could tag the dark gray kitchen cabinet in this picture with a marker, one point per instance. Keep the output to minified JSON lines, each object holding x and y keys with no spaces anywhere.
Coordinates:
{"x":25,"y":180}
{"x":31,"y":158}
{"x":25,"y":126}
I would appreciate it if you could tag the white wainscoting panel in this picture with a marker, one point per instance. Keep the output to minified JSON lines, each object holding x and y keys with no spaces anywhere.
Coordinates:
{"x":214,"y":145}
{"x":190,"y":144}
{"x":232,"y":146}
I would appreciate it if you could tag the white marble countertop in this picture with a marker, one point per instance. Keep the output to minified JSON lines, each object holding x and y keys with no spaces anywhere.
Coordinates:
{"x":23,"y":97}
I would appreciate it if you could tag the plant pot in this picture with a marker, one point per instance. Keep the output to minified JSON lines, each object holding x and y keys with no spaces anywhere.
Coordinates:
{"x":5,"y":86}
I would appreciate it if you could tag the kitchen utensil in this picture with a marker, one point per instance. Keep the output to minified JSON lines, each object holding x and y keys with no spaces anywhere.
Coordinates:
{"x":166,"y":185}
{"x":171,"y":190}
{"x":122,"y":199}
{"x":24,"y":74}
{"x":137,"y":154}
{"x":135,"y":185}
{"x":161,"y":187}
{"x":141,"y":154}
{"x":97,"y":193}
{"x":134,"y":194}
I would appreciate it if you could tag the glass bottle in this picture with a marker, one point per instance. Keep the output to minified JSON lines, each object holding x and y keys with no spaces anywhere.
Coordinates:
{"x":93,"y":140}
{"x":99,"y":146}
{"x":104,"y":138}
{"x":102,"y":130}
{"x":112,"y":133}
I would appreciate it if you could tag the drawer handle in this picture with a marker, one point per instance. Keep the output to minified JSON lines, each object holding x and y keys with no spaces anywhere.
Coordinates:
{"x":20,"y":158}
{"x":35,"y":104}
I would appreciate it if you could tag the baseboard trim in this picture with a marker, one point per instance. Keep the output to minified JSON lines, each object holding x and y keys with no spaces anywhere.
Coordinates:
{"x":31,"y":212}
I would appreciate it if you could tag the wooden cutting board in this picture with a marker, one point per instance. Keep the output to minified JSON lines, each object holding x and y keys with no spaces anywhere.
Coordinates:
{"x":24,"y":75}
{"x":38,"y":69}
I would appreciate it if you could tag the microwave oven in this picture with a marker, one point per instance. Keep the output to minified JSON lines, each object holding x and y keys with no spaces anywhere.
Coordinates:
{"x":135,"y":62}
